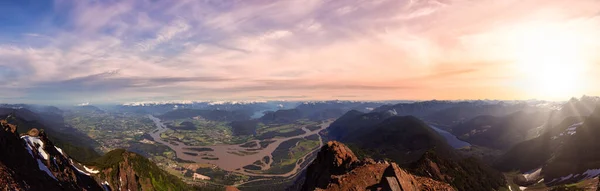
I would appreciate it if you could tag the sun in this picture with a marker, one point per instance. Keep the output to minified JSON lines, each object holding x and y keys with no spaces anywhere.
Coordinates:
{"x":551,"y":62}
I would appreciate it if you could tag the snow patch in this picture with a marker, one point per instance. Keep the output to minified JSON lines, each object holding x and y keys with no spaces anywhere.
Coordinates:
{"x":29,"y":149}
{"x":54,"y":160}
{"x":541,"y":180}
{"x":186,"y":102}
{"x":561,"y":178}
{"x":572,"y":129}
{"x":32,"y":140}
{"x":532,"y":175}
{"x":59,"y":150}
{"x":43,"y":167}
{"x":393,"y":112}
{"x":91,"y":170}
{"x":75,"y":167}
{"x":591,"y":173}
{"x":106,"y":186}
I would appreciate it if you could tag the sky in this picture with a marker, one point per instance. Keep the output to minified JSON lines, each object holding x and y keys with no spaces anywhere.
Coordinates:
{"x":97,"y":51}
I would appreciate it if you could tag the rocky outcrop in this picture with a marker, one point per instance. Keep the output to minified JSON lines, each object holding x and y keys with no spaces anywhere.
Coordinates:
{"x":337,"y":168}
{"x":32,"y":162}
{"x":333,"y":159}
{"x":122,"y":176}
{"x":123,"y":170}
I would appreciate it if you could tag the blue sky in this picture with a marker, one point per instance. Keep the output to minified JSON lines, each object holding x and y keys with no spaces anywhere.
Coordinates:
{"x":97,"y":51}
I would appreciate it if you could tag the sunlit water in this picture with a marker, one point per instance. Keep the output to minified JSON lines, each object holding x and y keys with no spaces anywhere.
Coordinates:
{"x":451,"y":139}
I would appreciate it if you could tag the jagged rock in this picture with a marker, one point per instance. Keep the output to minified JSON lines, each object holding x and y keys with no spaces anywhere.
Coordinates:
{"x":405,"y":181}
{"x":369,"y":161}
{"x":333,"y":159}
{"x":337,"y":168}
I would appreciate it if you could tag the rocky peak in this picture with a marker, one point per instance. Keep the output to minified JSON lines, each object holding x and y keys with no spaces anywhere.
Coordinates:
{"x":337,"y":168}
{"x":340,"y":156}
{"x":333,"y":159}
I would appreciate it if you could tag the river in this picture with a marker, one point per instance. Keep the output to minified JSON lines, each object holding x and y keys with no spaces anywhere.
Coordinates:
{"x":227,"y":160}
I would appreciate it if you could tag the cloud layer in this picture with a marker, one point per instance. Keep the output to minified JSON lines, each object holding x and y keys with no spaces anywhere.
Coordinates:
{"x":121,"y":51}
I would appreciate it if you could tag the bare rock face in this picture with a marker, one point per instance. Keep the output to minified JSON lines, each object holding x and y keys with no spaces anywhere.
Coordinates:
{"x":342,"y":157}
{"x":333,"y":159}
{"x":127,"y":176}
{"x":121,"y":176}
{"x":337,"y":168}
{"x":231,"y":188}
{"x":406,"y":181}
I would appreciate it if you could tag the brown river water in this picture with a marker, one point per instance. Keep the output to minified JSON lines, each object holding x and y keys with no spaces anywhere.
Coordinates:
{"x":227,"y":160}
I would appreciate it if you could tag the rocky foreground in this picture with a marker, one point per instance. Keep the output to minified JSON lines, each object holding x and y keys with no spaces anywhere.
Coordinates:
{"x":337,"y":168}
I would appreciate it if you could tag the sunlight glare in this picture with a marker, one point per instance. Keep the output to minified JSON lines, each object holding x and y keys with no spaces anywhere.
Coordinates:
{"x":550,"y":59}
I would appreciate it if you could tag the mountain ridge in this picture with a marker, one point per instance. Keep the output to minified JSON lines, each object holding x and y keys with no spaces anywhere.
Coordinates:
{"x":31,"y":162}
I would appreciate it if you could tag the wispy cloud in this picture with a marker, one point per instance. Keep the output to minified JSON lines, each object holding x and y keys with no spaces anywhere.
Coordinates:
{"x":165,"y":34}
{"x":398,"y":49}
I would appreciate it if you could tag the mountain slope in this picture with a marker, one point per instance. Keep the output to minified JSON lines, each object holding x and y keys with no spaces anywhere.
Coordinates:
{"x":401,"y":139}
{"x":564,"y":154}
{"x":69,"y":139}
{"x":531,"y":154}
{"x":463,"y":174}
{"x":281,"y":116}
{"x":569,"y":158}
{"x":418,"y":109}
{"x":353,"y":122}
{"x":500,"y":132}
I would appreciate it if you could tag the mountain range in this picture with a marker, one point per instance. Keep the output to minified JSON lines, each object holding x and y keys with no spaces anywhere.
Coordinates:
{"x":369,"y":146}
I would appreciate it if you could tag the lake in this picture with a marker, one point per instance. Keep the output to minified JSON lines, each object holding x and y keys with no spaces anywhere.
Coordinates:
{"x":450,"y":138}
